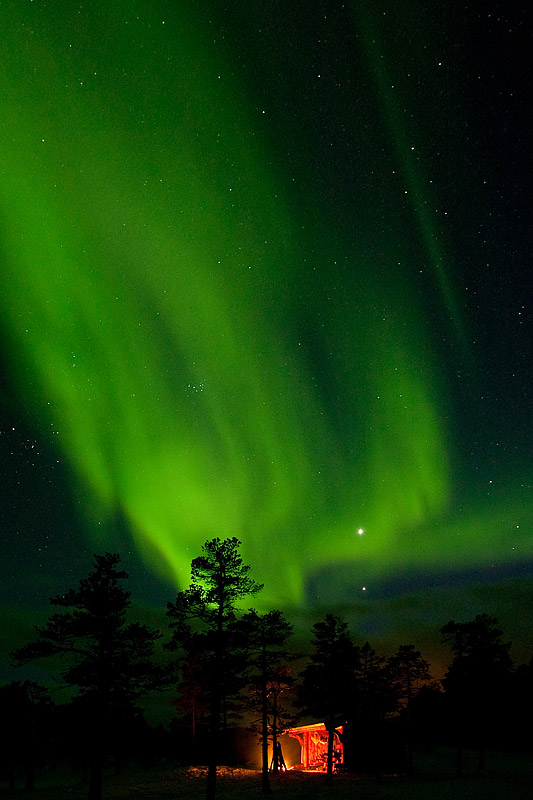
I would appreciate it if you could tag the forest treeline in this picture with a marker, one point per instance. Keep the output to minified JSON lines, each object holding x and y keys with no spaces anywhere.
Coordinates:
{"x":232,"y":673}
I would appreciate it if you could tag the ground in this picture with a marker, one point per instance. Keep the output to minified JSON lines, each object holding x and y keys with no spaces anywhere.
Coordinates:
{"x":507,"y":776}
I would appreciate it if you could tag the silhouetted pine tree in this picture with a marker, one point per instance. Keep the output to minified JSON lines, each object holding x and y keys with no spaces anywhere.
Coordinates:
{"x":24,"y":709}
{"x":281,"y":690}
{"x":408,"y":672}
{"x":203,"y":620}
{"x":327,"y":681}
{"x":265,"y":636}
{"x":520,"y":710}
{"x":191,"y":703}
{"x":373,"y":699}
{"x":476,"y":679}
{"x":108,"y":659}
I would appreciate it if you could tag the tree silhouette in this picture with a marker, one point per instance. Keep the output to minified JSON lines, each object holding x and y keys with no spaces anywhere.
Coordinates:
{"x":521,"y":700}
{"x":282,"y":685}
{"x":25,"y":708}
{"x":408,"y":672}
{"x":108,"y":660}
{"x":372,"y":699}
{"x":327,"y":680}
{"x":480,"y":669}
{"x":265,"y":636}
{"x":191,"y":702}
{"x":203,"y":620}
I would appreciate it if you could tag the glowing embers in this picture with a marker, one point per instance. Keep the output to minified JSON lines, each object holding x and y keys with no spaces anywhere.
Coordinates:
{"x":313,"y":741}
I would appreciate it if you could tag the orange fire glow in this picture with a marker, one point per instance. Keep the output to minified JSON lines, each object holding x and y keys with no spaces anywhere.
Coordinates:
{"x":313,"y":741}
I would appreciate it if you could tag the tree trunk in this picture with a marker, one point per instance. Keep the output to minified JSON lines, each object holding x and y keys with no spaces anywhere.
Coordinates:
{"x":29,"y":778}
{"x":217,"y":706}
{"x":265,"y":782}
{"x":331,"y":737}
{"x":482,"y":722}
{"x":213,"y":752}
{"x":193,"y":727}
{"x":211,"y":780}
{"x":459,"y":760}
{"x":29,"y":769}
{"x":96,"y":775}
{"x":30,"y":755}
{"x":409,"y":744}
{"x":459,"y":722}
{"x":275,"y":757}
{"x":99,"y":724}
{"x":481,"y":758}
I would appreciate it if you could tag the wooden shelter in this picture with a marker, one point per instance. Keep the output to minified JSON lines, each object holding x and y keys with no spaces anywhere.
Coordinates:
{"x":313,"y":741}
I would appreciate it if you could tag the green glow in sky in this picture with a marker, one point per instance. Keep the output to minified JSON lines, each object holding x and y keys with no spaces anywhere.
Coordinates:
{"x":208,"y":371}
{"x":408,"y":141}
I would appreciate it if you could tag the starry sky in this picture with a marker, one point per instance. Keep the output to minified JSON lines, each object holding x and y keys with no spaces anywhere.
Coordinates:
{"x":266,"y":273}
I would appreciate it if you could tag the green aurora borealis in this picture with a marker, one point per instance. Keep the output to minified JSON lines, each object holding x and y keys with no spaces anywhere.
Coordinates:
{"x":234,"y":291}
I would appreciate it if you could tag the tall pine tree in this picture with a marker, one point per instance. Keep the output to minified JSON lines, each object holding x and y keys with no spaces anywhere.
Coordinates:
{"x":107,"y":659}
{"x":408,"y":672}
{"x":328,"y":678}
{"x":203,"y":618}
{"x":265,"y":636}
{"x":477,"y":679}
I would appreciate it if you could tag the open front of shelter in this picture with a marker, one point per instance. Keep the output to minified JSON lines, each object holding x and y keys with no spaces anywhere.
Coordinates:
{"x":313,"y":741}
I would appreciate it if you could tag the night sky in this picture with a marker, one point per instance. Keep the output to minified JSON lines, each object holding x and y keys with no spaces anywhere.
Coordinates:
{"x":266,"y":273}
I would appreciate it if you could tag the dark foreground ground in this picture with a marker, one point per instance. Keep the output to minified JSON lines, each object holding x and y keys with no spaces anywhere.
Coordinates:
{"x":507,"y":777}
